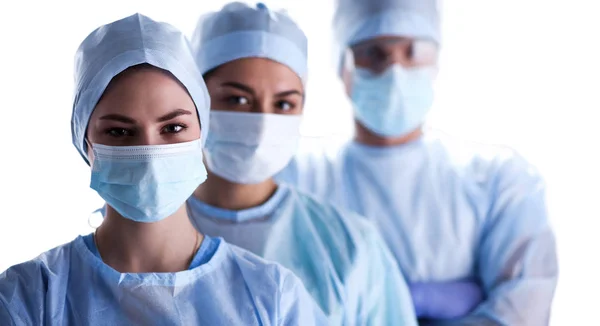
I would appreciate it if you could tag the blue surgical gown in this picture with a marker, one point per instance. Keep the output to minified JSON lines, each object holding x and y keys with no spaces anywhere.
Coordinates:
{"x":341,"y":258}
{"x":448,"y":210}
{"x":225,"y":285}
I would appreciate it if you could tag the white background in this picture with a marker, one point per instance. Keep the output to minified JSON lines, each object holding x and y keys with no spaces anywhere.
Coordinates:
{"x":518,"y":72}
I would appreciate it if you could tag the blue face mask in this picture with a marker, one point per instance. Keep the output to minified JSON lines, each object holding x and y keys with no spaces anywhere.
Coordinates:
{"x":147,"y":183}
{"x":395,"y":102}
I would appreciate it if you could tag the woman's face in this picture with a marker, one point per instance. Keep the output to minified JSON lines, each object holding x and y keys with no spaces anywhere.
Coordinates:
{"x":255,"y":85}
{"x":143,"y":106}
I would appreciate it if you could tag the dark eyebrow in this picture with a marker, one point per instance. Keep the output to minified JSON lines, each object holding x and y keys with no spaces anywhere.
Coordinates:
{"x":118,"y":117}
{"x":173,"y":115}
{"x":290,"y":92}
{"x":239,"y":86}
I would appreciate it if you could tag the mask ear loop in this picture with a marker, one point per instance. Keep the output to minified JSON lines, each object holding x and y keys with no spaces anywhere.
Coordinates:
{"x":96,"y":218}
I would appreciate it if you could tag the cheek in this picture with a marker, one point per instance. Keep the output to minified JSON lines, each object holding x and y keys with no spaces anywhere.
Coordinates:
{"x":213,"y":101}
{"x":197,"y":132}
{"x":212,"y":91}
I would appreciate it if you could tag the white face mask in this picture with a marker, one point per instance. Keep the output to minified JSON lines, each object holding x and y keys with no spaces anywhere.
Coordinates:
{"x":249,"y":148}
{"x":395,"y":102}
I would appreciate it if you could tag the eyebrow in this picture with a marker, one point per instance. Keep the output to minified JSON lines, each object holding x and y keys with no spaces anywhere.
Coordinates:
{"x":290,"y":92}
{"x":118,"y":117}
{"x":251,"y":91}
{"x":128,"y":120}
{"x":176,"y":113}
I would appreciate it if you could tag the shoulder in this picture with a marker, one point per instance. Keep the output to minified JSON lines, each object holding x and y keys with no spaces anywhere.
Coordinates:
{"x":315,"y":160}
{"x":253,"y":268}
{"x":330,"y":218}
{"x":361,"y":261}
{"x":44,"y":267}
{"x":264,"y":273}
{"x":321,"y":149}
{"x":273,"y":287}
{"x":342,"y":233}
{"x":493,"y":165}
{"x":23,"y":287}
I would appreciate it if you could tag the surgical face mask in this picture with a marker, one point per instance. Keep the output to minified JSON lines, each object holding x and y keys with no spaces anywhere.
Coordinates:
{"x":147,"y":183}
{"x":249,"y":148}
{"x":395,"y":102}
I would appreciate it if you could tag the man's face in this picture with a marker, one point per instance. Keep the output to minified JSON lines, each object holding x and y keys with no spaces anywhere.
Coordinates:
{"x":379,"y":53}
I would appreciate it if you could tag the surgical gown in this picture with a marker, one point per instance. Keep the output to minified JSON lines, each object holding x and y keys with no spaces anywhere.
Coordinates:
{"x":341,"y":258}
{"x":225,"y":285}
{"x":448,"y":210}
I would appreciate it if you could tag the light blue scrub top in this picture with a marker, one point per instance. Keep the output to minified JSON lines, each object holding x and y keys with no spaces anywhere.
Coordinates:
{"x":340,"y":256}
{"x":225,"y":285}
{"x":448,"y":210}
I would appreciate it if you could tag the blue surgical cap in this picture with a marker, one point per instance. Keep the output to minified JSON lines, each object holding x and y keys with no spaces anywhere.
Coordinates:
{"x":360,"y":20}
{"x":240,"y":31}
{"x":134,"y":40}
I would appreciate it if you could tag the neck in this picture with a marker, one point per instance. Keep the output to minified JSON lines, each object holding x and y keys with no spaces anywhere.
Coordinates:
{"x":222,"y":193}
{"x":166,"y":246}
{"x":365,"y":136}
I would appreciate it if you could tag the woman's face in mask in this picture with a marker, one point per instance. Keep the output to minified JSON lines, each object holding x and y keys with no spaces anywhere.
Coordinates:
{"x":255,"y":85}
{"x":143,"y":105}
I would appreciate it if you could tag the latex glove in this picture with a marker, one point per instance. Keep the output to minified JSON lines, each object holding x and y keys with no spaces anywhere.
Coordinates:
{"x":445,"y":300}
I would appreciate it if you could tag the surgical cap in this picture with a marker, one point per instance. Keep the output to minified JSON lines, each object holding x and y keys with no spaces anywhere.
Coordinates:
{"x":360,"y":20}
{"x":134,"y":40}
{"x":240,"y":31}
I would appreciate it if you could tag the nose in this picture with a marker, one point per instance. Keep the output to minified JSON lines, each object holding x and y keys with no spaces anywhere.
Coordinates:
{"x":261,"y":106}
{"x":396,"y":56}
{"x":148,"y":137}
{"x":400,"y":56}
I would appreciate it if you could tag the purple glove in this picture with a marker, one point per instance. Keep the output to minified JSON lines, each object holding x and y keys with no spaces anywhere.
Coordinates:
{"x":445,"y":300}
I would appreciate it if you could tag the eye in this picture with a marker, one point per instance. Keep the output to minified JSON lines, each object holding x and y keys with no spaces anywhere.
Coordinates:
{"x":118,"y":132}
{"x":238,"y":100}
{"x":173,"y":129}
{"x":376,"y":54}
{"x":284,"y":105}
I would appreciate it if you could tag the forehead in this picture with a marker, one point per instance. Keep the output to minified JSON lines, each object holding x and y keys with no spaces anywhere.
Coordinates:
{"x":384,"y":40}
{"x":139,"y":76}
{"x":394,"y":42}
{"x":144,"y":78}
{"x":141,"y":87}
{"x":256,"y":71}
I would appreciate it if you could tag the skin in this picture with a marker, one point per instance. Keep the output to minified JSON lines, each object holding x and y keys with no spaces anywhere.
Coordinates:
{"x":249,"y":85}
{"x":145,"y":106}
{"x":377,"y":55}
